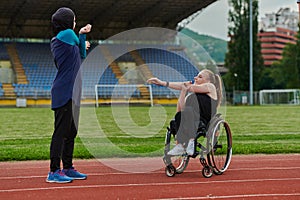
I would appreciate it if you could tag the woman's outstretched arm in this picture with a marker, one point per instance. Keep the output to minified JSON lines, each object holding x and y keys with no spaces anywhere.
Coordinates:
{"x":172,"y":85}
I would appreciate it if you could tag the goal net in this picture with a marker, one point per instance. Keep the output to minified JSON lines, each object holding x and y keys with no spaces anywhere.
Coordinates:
{"x":283,"y":96}
{"x":123,"y":94}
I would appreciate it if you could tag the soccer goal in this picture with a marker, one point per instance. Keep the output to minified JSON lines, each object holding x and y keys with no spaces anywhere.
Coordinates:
{"x":283,"y":96}
{"x":123,"y":94}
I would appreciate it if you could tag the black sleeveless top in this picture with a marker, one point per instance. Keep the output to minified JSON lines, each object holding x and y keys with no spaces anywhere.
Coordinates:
{"x":202,"y":104}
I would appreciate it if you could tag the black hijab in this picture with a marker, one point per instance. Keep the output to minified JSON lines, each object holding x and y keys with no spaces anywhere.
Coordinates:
{"x":62,"y":19}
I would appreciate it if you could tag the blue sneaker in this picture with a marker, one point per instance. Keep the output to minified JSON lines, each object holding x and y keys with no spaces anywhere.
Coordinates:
{"x":58,"y":177}
{"x":73,"y":173}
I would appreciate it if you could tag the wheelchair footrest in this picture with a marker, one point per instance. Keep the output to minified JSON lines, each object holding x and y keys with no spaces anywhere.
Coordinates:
{"x":196,"y":153}
{"x":167,"y":160}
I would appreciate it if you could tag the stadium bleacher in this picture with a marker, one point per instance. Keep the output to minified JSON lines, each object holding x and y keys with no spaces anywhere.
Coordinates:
{"x":1,"y":90}
{"x":3,"y":53}
{"x":3,"y":56}
{"x":39,"y":68}
{"x":163,"y":62}
{"x":168,"y":65}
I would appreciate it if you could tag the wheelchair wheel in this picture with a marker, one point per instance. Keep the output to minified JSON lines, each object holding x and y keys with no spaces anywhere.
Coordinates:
{"x":170,"y":170}
{"x":207,"y":172}
{"x":178,"y":162}
{"x":220,"y":144}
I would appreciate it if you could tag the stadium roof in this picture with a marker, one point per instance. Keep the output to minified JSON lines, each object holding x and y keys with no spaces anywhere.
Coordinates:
{"x":31,"y":18}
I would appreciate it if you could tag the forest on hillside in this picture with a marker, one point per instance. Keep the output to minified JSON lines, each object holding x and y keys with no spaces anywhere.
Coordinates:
{"x":215,"y":47}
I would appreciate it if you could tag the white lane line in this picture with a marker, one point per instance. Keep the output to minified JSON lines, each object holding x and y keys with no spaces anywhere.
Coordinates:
{"x":263,"y":168}
{"x":233,"y":196}
{"x":147,"y":184}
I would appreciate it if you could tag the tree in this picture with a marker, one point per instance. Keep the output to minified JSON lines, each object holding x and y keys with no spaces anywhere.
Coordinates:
{"x":286,"y":72}
{"x":237,"y":57}
{"x":271,"y":79}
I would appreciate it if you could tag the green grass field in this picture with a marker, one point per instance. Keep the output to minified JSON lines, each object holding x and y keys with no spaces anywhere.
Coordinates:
{"x":25,"y":133}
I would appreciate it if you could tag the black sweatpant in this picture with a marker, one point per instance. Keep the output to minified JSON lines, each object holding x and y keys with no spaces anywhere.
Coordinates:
{"x":65,"y":131}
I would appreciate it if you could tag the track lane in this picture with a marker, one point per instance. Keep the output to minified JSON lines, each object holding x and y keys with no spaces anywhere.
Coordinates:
{"x":251,"y":177}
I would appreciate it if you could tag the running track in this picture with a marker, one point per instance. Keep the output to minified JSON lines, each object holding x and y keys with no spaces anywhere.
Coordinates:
{"x":249,"y":177}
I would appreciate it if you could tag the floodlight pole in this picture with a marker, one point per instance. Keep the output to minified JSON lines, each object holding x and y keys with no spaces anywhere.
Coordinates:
{"x":251,"y":53}
{"x":298,"y":2}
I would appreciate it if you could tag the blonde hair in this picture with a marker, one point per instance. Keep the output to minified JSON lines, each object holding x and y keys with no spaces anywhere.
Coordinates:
{"x":217,"y":81}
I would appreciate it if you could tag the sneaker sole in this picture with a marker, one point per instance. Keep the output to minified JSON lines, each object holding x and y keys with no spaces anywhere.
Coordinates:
{"x":78,"y":178}
{"x":50,"y":181}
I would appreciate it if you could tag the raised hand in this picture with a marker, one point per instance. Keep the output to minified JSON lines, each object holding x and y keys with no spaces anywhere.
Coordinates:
{"x":86,"y":29}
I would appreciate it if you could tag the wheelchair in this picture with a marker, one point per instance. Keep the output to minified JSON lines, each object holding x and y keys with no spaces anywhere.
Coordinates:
{"x":213,"y":145}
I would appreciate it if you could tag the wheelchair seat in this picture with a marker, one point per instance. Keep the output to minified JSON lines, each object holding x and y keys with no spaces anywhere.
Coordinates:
{"x":201,"y":131}
{"x":173,"y":127}
{"x":202,"y":128}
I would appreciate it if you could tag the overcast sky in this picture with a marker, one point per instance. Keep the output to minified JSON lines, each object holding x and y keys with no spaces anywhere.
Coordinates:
{"x":213,"y":20}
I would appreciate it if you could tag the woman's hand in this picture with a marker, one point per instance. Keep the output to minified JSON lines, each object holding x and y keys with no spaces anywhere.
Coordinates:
{"x":87,"y":45}
{"x":184,"y":87}
{"x":155,"y":81}
{"x":85,"y":29}
{"x":187,"y":86}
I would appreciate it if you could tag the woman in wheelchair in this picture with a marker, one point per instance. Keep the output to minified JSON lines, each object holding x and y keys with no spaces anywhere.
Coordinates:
{"x":197,"y":102}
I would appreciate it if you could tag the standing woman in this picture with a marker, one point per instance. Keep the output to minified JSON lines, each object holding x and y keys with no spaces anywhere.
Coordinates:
{"x":197,"y":101}
{"x":68,"y":49}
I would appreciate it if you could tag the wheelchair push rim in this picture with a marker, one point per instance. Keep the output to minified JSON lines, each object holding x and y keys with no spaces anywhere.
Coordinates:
{"x":220,"y":142}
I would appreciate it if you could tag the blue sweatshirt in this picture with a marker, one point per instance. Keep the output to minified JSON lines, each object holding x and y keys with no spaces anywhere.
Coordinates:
{"x":67,"y":50}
